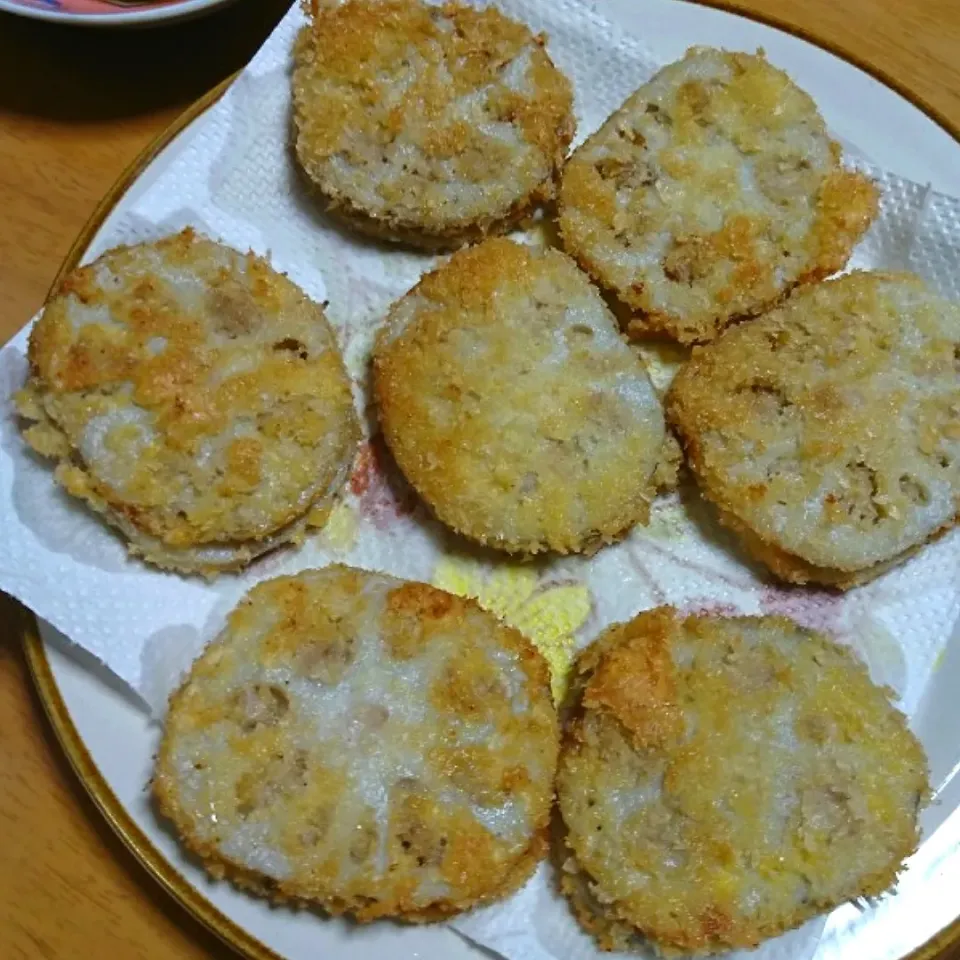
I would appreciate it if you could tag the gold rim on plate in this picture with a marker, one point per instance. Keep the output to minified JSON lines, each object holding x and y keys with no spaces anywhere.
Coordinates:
{"x":56,"y":709}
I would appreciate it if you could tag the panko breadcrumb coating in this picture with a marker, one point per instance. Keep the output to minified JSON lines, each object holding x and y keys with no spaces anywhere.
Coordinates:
{"x":513,"y":405}
{"x":709,"y":194}
{"x":425,"y":124}
{"x":723,"y":780}
{"x":828,"y":432}
{"x":361,"y":743}
{"x":192,"y":396}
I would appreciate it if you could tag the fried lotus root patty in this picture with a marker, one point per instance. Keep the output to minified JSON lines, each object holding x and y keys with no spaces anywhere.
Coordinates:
{"x":828,"y":431}
{"x":194,"y":397}
{"x":368,"y":745}
{"x":513,"y":405}
{"x":428,"y":124}
{"x":725,"y":779}
{"x":709,"y":194}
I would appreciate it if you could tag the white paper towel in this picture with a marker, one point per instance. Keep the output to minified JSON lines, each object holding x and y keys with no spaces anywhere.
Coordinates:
{"x":232,"y":178}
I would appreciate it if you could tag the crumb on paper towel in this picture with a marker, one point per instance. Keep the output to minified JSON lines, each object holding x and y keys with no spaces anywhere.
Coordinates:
{"x":662,"y":359}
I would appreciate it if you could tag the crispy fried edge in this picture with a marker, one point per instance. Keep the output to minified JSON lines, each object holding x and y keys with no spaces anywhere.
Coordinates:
{"x":397,"y":231}
{"x":841,"y":230}
{"x":642,"y":324}
{"x":609,"y":931}
{"x":793,"y":569}
{"x":359,"y":909}
{"x":150,"y":549}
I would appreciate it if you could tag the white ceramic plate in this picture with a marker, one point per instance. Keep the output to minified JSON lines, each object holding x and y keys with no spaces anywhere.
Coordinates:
{"x":99,"y":13}
{"x":111,"y":743}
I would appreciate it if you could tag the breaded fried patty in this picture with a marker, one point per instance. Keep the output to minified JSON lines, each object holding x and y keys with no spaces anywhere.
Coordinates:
{"x":709,"y":194}
{"x":513,"y":405}
{"x":194,"y":397}
{"x":368,"y":745}
{"x":428,"y":124}
{"x":725,"y":779}
{"x":828,"y":431}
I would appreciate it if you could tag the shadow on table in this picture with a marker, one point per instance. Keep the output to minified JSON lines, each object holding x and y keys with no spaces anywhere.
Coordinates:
{"x":80,"y":74}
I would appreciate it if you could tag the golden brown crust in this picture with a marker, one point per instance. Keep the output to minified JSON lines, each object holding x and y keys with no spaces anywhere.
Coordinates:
{"x":192,"y":396}
{"x":635,"y":682}
{"x":709,"y":194}
{"x":512,"y":404}
{"x":428,"y":125}
{"x":825,"y":432}
{"x":725,"y":779}
{"x":354,"y":218}
{"x":370,"y":746}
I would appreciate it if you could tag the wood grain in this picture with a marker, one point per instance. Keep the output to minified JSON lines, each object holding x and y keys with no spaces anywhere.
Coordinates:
{"x":76,"y":107}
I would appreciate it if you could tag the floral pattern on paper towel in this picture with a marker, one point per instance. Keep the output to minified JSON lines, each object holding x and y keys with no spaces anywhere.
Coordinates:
{"x":549,"y":613}
{"x":383,"y":495}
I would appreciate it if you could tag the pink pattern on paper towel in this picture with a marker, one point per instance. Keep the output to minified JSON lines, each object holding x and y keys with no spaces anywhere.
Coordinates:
{"x":383,"y":495}
{"x":816,"y":609}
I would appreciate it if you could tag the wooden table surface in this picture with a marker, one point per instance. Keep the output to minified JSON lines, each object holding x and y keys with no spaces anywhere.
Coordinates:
{"x":76,"y":107}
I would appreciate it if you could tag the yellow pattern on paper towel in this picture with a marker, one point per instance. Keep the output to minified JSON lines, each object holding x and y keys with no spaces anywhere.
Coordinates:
{"x":548,"y":616}
{"x":340,"y":531}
